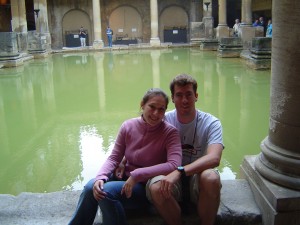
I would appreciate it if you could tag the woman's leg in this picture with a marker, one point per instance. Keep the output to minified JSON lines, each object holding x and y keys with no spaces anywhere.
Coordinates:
{"x":86,"y":208}
{"x":114,"y":205}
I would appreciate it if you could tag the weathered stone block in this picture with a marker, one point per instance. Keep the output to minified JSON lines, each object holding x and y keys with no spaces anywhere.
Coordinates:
{"x":261,"y":44}
{"x":209,"y":44}
{"x":8,"y":45}
{"x":228,"y":42}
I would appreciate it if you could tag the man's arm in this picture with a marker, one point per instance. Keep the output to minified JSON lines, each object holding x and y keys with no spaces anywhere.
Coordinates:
{"x":210,"y":160}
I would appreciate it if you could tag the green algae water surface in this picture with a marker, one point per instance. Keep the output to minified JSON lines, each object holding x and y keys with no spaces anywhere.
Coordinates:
{"x":59,"y":116}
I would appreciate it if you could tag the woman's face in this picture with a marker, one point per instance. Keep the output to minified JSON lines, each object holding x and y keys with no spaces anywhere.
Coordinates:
{"x":154,"y":110}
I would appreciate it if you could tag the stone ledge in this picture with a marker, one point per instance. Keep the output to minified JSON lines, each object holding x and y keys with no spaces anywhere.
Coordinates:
{"x":237,"y":207}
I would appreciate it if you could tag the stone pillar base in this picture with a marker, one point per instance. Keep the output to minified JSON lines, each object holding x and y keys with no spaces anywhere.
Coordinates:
{"x":230,"y":47}
{"x":279,"y":205}
{"x":11,"y":63}
{"x":209,"y":44}
{"x":39,"y":55}
{"x":222,"y":31}
{"x":98,"y":44}
{"x":259,"y":57}
{"x":155,"y":42}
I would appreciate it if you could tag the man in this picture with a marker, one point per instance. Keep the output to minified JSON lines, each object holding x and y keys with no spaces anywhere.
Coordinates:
{"x":202,"y":143}
{"x":261,"y":23}
{"x":109,"y":33}
{"x":82,"y":36}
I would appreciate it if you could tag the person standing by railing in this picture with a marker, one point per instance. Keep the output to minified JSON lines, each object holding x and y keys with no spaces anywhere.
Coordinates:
{"x":269,"y":29}
{"x":236,"y":28}
{"x":109,"y":33}
{"x":82,"y":36}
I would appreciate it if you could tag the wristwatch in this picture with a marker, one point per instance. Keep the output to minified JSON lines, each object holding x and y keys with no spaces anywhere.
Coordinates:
{"x":181,"y":170}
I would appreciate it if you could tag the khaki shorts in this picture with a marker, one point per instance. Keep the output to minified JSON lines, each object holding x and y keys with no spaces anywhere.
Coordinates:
{"x":177,"y":189}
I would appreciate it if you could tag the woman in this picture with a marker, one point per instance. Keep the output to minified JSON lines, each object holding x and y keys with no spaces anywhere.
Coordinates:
{"x":151,"y":147}
{"x":269,"y":29}
{"x":236,"y":28}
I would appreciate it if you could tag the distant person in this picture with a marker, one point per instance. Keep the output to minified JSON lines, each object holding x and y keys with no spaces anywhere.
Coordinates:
{"x":109,"y":33}
{"x":269,"y":29}
{"x":256,"y":23}
{"x":261,"y":23}
{"x":236,"y":28}
{"x":151,"y":147}
{"x":82,"y":36}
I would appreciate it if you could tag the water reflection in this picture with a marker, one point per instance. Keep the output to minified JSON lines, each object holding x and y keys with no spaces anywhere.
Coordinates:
{"x":59,"y":116}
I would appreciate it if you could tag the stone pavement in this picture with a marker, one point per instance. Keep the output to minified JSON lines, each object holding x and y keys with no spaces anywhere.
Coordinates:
{"x":237,"y":208}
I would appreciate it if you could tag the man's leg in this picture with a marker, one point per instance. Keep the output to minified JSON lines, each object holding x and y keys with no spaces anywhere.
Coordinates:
{"x":209,"y":196}
{"x":169,"y":209}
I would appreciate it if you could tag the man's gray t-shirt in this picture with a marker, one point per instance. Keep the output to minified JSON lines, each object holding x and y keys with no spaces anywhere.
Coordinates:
{"x":204,"y":130}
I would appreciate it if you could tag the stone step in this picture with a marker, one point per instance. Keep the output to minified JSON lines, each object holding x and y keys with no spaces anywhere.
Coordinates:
{"x":237,"y":207}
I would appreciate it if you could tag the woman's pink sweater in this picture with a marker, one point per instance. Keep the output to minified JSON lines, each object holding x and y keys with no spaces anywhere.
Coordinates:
{"x":149,"y":150}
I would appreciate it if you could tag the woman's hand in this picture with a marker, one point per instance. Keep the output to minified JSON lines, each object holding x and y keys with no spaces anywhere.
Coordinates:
{"x":98,"y":192}
{"x":128,"y":186}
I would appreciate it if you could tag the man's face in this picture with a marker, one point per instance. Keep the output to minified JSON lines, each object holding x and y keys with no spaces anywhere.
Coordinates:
{"x":184,"y":99}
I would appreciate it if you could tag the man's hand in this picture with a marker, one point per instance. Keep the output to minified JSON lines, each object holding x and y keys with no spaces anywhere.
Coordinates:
{"x":98,"y":190}
{"x":128,"y":186}
{"x":119,"y":172}
{"x":167,"y":183}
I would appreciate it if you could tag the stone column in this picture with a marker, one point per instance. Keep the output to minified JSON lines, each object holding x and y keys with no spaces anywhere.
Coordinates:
{"x":98,"y":42}
{"x":19,"y":23}
{"x":196,"y":15}
{"x":154,"y":41}
{"x":196,"y":10}
{"x":42,"y":25}
{"x":247,"y":32}
{"x":275,"y":173}
{"x":246,"y":13}
{"x":18,"y":14}
{"x":41,"y":16}
{"x":280,"y":157}
{"x":222,"y":29}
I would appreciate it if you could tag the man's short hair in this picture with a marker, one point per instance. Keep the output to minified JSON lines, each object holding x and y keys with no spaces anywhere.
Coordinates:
{"x":183,"y":80}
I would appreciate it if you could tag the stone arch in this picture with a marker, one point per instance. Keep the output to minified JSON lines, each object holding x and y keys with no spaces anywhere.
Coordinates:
{"x":173,"y":17}
{"x":69,"y":27}
{"x":126,"y":22}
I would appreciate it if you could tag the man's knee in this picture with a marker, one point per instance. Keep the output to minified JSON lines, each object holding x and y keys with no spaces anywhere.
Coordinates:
{"x":210,"y":181}
{"x":156,"y":196}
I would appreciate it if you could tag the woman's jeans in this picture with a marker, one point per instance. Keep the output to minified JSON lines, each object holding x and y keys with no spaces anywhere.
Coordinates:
{"x":112,"y":207}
